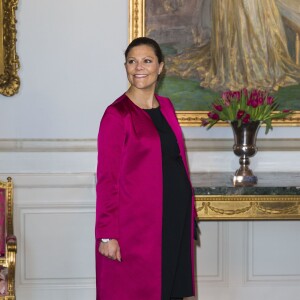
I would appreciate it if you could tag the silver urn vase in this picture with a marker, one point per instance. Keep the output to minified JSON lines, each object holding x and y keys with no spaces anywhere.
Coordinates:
{"x":245,"y":147}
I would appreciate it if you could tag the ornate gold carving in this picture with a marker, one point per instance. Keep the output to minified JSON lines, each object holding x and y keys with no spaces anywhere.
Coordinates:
{"x":9,"y":79}
{"x":9,"y":261}
{"x":248,"y":207}
{"x":136,"y":19}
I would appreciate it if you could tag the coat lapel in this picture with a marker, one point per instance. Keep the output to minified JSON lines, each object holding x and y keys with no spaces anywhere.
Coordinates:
{"x":169,"y":113}
{"x":142,"y":124}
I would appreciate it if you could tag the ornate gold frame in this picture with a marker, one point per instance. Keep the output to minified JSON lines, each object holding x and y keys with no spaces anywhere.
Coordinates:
{"x":9,"y":60}
{"x":186,"y":118}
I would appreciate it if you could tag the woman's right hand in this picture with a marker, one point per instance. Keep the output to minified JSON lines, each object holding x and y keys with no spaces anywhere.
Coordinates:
{"x":111,"y":250}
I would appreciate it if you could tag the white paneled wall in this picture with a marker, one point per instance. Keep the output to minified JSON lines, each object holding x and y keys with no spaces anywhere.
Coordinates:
{"x":54,"y":224}
{"x":253,"y":260}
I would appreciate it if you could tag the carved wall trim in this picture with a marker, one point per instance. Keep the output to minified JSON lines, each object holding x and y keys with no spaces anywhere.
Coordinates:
{"x":267,"y":275}
{"x":90,"y":145}
{"x":217,"y":273}
{"x":198,"y":145}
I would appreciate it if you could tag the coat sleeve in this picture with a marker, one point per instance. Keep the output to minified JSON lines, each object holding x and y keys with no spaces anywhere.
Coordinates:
{"x":111,"y":140}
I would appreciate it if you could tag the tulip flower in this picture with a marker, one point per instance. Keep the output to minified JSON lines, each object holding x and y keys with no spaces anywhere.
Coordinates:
{"x":245,"y":106}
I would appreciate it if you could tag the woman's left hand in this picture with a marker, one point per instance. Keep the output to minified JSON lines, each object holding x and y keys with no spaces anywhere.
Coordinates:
{"x":111,"y":250}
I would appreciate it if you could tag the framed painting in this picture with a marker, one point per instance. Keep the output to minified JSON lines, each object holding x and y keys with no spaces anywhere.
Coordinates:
{"x":9,"y":60}
{"x":195,"y":75}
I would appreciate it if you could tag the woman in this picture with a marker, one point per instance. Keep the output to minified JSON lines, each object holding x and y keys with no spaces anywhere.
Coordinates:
{"x":144,"y":210}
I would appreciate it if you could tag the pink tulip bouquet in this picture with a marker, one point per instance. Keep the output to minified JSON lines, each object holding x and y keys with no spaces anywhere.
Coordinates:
{"x":245,"y":106}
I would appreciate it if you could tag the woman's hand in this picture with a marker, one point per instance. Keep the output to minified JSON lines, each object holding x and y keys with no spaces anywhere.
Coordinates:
{"x":111,"y":250}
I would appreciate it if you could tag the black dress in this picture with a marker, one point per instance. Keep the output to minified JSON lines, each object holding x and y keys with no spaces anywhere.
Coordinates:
{"x":176,"y":232}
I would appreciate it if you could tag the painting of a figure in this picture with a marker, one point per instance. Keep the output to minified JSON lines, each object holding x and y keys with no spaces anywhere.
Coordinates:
{"x":216,"y":45}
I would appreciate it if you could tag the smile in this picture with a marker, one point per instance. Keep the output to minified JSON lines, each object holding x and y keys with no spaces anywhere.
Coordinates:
{"x":140,"y":75}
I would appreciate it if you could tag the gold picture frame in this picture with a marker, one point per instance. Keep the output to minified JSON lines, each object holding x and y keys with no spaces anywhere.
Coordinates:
{"x":137,"y":20}
{"x":9,"y":60}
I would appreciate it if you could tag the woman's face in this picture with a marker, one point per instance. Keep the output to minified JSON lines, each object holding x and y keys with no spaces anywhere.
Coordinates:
{"x":142,"y":67}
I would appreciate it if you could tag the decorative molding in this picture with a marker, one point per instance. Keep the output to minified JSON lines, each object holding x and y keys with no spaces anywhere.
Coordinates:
{"x":52,"y":180}
{"x":32,"y":281}
{"x":136,"y":26}
{"x":199,"y":145}
{"x":220,"y":278}
{"x":248,"y":207}
{"x":90,"y":145}
{"x":48,"y":145}
{"x":52,"y":200}
{"x":264,"y":279}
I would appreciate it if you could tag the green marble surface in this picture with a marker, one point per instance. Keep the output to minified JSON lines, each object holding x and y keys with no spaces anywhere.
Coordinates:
{"x":275,"y":183}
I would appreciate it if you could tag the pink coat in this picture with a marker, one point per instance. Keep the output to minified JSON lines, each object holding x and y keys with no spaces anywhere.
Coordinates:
{"x":129,"y":200}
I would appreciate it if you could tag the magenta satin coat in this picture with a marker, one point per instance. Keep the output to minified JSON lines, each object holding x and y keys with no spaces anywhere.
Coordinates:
{"x":129,"y":200}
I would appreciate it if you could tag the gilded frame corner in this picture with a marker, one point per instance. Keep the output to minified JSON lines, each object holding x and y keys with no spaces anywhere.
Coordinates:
{"x":9,"y":60}
{"x":136,"y":28}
